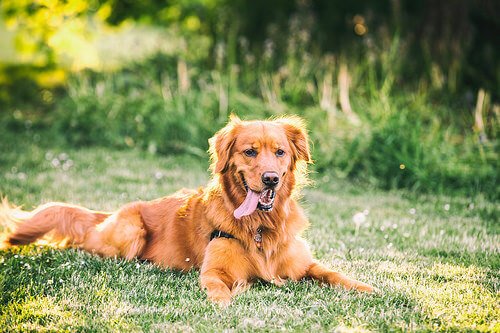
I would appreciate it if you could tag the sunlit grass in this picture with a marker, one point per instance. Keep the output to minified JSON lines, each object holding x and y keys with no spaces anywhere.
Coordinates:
{"x":436,"y":265}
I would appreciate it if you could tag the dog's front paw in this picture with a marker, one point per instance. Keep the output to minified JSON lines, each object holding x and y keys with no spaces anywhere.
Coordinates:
{"x":221,"y":298}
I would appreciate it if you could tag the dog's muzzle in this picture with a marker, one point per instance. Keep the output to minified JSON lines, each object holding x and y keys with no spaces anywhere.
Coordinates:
{"x":266,"y":197}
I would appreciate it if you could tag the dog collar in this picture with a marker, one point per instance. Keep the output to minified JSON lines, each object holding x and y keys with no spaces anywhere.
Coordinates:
{"x":219,"y":233}
{"x":257,"y":237}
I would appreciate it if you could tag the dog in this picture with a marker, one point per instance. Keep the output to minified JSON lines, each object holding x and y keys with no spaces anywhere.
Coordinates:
{"x":244,"y":225}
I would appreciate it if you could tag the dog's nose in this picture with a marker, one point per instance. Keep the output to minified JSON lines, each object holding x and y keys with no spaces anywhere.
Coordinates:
{"x":270,"y":178}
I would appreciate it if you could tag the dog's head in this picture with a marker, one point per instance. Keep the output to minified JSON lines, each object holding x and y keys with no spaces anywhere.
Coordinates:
{"x":259,"y":157}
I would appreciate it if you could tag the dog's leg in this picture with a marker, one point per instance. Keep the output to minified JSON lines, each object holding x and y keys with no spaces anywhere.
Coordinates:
{"x":217,"y":284}
{"x":297,"y":263}
{"x":122,"y":234}
{"x":326,"y":275}
{"x":225,"y":270}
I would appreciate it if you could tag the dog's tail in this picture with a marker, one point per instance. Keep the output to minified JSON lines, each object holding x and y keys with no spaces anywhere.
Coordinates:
{"x":62,"y":221}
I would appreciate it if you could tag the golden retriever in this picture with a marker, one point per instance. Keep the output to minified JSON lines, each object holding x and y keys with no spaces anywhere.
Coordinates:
{"x":244,"y":225}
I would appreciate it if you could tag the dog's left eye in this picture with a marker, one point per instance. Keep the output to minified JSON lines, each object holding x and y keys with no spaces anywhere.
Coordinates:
{"x":280,"y":153}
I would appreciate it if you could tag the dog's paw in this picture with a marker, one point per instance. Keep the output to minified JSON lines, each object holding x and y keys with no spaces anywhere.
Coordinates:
{"x":219,"y":297}
{"x":221,"y":300}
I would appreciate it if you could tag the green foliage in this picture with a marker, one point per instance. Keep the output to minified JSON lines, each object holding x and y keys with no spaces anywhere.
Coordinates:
{"x":452,"y":47}
{"x":142,"y":108}
{"x":412,"y":133}
{"x":165,"y":105}
{"x":45,"y":27}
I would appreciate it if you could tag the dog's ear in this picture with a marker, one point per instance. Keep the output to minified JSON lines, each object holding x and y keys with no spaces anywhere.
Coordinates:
{"x":295,"y":130}
{"x":221,"y":145}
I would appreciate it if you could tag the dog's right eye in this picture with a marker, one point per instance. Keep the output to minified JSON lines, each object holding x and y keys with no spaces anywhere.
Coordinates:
{"x":250,"y":152}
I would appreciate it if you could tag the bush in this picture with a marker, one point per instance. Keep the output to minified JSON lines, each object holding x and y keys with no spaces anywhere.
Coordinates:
{"x":166,"y":105}
{"x":402,"y":140}
{"x":148,"y":110}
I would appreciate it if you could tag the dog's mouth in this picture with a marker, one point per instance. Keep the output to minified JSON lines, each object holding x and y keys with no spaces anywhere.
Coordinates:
{"x":266,"y":200}
{"x":255,"y":200}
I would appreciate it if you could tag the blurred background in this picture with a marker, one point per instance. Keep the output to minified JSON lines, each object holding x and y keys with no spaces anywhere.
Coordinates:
{"x":396,"y":93}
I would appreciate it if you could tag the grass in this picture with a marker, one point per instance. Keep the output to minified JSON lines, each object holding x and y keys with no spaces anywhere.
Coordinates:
{"x":434,"y":258}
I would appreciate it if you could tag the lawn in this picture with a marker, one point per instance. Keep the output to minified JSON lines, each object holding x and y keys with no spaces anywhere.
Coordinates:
{"x":434,"y":258}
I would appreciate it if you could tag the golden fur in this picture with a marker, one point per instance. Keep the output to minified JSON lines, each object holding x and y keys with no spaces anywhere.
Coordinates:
{"x":174,"y":231}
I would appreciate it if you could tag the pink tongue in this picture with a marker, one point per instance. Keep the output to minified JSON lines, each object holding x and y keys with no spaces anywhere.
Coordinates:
{"x":248,"y":206}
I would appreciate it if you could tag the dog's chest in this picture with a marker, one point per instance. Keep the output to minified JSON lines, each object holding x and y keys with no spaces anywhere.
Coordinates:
{"x":270,"y":262}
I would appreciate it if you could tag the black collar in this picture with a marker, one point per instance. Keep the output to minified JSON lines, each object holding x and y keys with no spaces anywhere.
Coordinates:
{"x":218,"y":234}
{"x":257,"y":237}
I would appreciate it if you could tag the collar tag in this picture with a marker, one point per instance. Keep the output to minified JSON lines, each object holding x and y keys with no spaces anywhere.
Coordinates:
{"x":258,"y":238}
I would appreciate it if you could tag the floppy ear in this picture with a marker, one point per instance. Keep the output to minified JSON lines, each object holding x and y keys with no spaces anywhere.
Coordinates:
{"x":221,"y":145}
{"x":297,"y":135}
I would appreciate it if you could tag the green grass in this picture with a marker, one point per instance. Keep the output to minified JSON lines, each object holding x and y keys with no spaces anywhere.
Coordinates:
{"x":434,"y":258}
